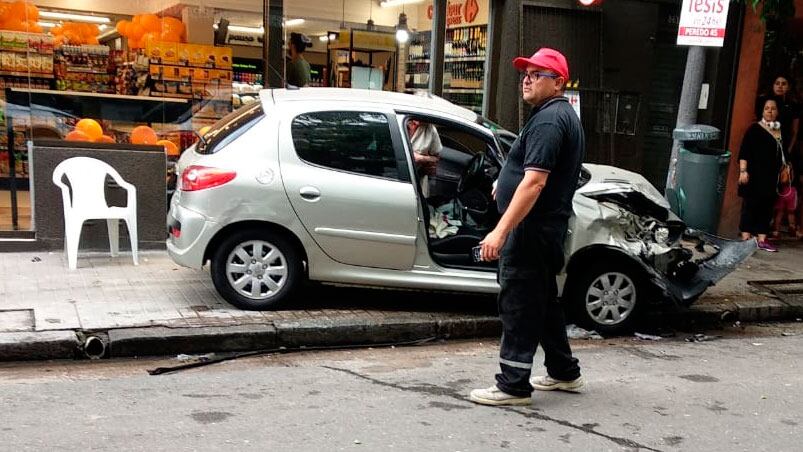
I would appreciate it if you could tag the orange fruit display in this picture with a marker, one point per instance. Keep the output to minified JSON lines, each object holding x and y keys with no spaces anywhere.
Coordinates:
{"x":77,"y":135}
{"x":105,"y":139}
{"x":170,"y":148}
{"x":90,"y":127}
{"x":143,"y":135}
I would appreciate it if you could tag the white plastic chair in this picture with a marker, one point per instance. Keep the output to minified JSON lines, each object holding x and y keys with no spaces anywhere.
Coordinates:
{"x":87,"y":178}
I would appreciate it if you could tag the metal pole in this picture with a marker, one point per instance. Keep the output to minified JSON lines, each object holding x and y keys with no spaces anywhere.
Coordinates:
{"x":437,"y":44}
{"x":689,"y":102}
{"x":492,"y":53}
{"x":272,"y":54}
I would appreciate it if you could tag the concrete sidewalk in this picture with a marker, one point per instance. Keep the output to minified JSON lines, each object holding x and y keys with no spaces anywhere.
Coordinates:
{"x":158,"y":308}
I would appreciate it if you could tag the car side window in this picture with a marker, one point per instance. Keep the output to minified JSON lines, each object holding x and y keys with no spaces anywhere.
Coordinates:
{"x":358,"y":142}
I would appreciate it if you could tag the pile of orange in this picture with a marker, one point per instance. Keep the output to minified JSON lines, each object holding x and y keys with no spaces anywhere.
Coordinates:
{"x":75,"y":34}
{"x":145,"y":28}
{"x":19,"y":16}
{"x":89,"y":130}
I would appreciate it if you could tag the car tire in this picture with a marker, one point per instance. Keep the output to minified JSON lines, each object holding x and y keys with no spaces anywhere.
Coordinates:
{"x":256,"y":269}
{"x":607,"y":296}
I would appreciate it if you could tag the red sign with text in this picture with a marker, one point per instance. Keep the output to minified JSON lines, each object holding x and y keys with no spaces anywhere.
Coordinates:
{"x":703,"y":23}
{"x":458,"y":13}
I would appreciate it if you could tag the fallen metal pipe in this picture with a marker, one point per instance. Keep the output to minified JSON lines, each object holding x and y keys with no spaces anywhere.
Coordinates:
{"x":94,"y":347}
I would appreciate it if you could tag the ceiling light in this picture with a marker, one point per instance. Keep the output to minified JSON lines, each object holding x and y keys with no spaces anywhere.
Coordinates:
{"x":74,"y":17}
{"x":392,"y":3}
{"x":402,"y":32}
{"x":332,"y":36}
{"x":242,"y":29}
{"x":323,"y":38}
{"x":293,"y":22}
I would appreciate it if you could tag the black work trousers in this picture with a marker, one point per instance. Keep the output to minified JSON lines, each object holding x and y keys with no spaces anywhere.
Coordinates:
{"x":529,"y":308}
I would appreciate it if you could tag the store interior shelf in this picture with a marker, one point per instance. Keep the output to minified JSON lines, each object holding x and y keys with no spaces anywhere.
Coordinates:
{"x":464,"y":59}
{"x":22,"y":102}
{"x":28,"y":50}
{"x":25,"y":74}
{"x":86,"y":70}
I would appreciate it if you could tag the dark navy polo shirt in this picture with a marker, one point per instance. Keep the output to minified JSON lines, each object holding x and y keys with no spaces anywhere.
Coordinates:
{"x":551,"y":141}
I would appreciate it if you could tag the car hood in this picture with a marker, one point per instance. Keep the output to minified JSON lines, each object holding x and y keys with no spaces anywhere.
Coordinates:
{"x":609,"y":180}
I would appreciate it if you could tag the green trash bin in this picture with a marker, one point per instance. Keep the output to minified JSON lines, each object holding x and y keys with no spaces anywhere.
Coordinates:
{"x":701,"y":177}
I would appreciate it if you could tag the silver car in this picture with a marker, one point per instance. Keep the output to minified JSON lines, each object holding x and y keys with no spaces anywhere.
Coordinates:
{"x":319,"y":184}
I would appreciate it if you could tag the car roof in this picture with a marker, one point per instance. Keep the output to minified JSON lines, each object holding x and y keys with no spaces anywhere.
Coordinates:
{"x":420,"y":101}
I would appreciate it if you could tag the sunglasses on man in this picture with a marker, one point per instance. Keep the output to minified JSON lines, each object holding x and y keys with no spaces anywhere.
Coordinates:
{"x":534,"y":76}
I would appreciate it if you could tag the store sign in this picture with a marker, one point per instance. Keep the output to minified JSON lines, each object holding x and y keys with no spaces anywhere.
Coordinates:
{"x":373,"y":40}
{"x":703,"y":23}
{"x":459,"y":13}
{"x":244,"y":39}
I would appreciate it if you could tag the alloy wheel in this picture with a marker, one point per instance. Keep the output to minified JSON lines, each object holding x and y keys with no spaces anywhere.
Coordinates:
{"x":256,"y":269}
{"x":611,"y":298}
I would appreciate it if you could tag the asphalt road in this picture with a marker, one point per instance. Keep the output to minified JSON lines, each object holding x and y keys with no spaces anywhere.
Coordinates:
{"x":738,"y":392}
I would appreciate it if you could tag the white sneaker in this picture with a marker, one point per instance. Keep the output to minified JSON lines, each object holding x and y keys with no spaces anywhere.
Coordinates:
{"x":495,"y":396}
{"x":547,"y":383}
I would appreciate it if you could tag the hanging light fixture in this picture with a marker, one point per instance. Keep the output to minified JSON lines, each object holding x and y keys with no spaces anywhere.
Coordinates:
{"x":402,"y":32}
{"x":370,"y":25}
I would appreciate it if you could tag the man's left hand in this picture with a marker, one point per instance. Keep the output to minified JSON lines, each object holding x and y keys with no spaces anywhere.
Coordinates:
{"x":492,"y":245}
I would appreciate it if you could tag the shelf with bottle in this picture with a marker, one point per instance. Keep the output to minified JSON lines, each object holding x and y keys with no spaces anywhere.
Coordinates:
{"x":467,"y":75}
{"x":464,"y":64}
{"x":251,"y":78}
{"x":466,"y":41}
{"x":86,"y":68}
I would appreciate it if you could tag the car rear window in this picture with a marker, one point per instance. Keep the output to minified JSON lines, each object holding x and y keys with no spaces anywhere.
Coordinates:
{"x":229,"y":127}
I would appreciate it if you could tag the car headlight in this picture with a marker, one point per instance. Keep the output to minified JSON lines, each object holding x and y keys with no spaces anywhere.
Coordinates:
{"x":662,"y":235}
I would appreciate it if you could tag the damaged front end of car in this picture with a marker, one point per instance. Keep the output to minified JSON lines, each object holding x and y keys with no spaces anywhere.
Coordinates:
{"x":680,"y":262}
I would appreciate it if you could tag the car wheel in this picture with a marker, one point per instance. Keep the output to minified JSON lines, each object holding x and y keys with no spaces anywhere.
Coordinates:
{"x":256,"y":270}
{"x":607,"y":297}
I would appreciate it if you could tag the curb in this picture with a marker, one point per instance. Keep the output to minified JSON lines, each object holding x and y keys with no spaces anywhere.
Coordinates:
{"x":42,"y":345}
{"x":162,"y":341}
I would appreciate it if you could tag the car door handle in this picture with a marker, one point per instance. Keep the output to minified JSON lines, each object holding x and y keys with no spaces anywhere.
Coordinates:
{"x":310,"y":193}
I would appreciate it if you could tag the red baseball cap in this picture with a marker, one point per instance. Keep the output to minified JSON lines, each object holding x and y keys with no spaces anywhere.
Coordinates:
{"x":547,"y":59}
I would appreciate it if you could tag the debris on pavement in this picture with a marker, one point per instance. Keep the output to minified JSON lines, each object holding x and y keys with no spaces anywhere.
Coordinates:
{"x":185,"y":358}
{"x":648,"y":337}
{"x":787,"y":334}
{"x":36,"y":259}
{"x":757,"y":344}
{"x":575,"y":332}
{"x":700,"y":337}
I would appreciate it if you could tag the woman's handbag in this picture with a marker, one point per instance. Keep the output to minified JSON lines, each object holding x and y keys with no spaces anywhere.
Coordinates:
{"x":786,"y":174}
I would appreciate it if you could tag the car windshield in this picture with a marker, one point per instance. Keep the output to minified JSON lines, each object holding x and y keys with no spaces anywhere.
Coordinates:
{"x":505,"y":137}
{"x":238,"y":120}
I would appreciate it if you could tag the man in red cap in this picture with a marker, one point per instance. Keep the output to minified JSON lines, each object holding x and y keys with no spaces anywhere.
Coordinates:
{"x":534,"y":194}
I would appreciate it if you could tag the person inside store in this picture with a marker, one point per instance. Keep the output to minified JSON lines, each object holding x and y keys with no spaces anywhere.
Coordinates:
{"x":298,"y":69}
{"x":534,"y":193}
{"x":426,"y":146}
{"x":760,"y":159}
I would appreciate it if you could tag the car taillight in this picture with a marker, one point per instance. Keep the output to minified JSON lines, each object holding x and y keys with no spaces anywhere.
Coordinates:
{"x":196,"y":178}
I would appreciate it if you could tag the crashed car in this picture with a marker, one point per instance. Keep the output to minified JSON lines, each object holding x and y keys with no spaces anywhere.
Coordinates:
{"x":320,"y":184}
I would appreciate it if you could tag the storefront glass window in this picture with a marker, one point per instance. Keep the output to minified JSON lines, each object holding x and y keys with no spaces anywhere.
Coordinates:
{"x":465,"y":52}
{"x":117,"y":76}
